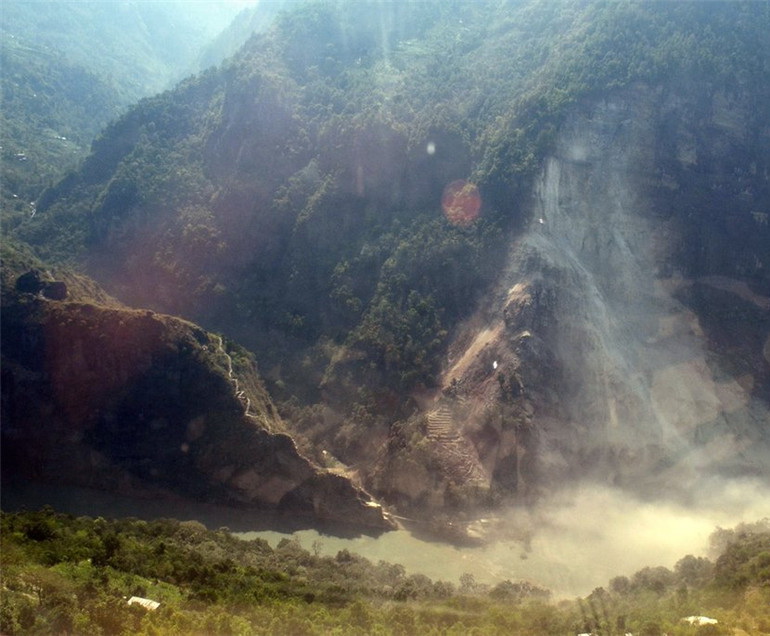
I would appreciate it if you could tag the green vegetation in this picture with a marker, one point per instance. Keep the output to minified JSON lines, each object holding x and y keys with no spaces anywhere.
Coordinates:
{"x":51,"y":109}
{"x":429,"y":279}
{"x":290,"y":201}
{"x":140,"y":48}
{"x":63,"y":574}
{"x":69,"y":68}
{"x":291,"y":190}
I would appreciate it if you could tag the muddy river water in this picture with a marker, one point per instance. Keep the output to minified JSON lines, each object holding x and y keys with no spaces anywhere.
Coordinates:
{"x":577,"y":542}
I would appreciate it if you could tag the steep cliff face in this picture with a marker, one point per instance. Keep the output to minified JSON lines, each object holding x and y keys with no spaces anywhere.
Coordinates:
{"x":627,"y":340}
{"x":139,"y":402}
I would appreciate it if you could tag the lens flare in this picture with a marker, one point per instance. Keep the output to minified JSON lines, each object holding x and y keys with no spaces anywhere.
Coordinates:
{"x":461,"y":203}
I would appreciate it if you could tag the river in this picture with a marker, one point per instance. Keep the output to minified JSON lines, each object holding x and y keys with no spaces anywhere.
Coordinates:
{"x":578,"y":542}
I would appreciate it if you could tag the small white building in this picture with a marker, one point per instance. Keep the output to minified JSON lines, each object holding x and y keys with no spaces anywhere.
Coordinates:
{"x":700,"y":620}
{"x":146,"y":603}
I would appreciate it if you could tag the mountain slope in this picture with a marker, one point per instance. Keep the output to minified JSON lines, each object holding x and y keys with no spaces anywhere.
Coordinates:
{"x":140,"y":47}
{"x":612,"y":348}
{"x":101,"y":395}
{"x":71,"y":67}
{"x":584,"y":324}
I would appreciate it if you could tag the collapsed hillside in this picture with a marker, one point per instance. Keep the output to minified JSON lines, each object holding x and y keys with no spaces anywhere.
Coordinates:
{"x":605,"y":314}
{"x":622,"y":343}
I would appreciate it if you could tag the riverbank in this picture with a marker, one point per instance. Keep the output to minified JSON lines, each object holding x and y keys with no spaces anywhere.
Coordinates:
{"x":577,"y":543}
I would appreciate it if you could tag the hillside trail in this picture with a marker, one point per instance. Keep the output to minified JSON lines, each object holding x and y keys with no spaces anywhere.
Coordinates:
{"x":239,"y":393}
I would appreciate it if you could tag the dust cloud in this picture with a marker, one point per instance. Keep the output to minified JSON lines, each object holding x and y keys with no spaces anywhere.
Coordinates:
{"x":571,"y":544}
{"x":582,"y":539}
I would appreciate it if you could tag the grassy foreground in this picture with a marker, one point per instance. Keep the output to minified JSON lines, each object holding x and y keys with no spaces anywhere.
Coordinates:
{"x":73,"y":575}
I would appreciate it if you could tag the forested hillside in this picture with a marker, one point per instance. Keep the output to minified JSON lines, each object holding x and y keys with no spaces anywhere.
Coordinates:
{"x":68,"y":68}
{"x":252,"y":19}
{"x":356,"y":194}
{"x":301,"y":169}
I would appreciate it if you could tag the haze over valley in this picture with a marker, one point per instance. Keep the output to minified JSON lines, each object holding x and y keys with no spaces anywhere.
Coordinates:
{"x":485,"y":285}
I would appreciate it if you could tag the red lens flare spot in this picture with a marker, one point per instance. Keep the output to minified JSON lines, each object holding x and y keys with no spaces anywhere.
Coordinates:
{"x":461,"y":202}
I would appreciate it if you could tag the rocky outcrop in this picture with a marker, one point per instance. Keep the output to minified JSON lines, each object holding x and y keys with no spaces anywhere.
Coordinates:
{"x":139,"y":402}
{"x":32,"y":282}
